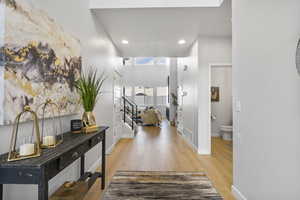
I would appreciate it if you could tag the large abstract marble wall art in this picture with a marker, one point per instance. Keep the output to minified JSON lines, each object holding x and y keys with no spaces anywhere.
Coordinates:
{"x":40,"y":61}
{"x":2,"y":20}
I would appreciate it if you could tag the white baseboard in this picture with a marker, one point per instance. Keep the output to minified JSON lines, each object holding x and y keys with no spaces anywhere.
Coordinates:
{"x":187,"y":131}
{"x":188,"y":142}
{"x":204,"y":153}
{"x":215,"y":134}
{"x":180,"y":130}
{"x":127,"y":136}
{"x":111,"y":148}
{"x":97,"y":163}
{"x":127,"y":132}
{"x":184,"y":136}
{"x":237,"y":194}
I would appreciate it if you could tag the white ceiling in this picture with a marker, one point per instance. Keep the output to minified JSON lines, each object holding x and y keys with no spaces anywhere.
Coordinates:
{"x":156,"y":31}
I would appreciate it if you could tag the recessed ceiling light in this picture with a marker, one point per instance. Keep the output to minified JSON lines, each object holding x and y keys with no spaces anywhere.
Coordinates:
{"x":125,"y":42}
{"x":181,"y":42}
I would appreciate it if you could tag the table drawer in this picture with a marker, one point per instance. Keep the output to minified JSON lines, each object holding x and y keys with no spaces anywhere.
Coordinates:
{"x":95,"y":140}
{"x":73,"y":155}
{"x":20,"y":176}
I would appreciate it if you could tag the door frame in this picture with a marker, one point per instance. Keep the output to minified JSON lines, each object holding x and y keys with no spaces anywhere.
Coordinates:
{"x":210,"y":65}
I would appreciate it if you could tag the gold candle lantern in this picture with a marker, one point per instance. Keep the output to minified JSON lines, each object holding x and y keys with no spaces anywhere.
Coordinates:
{"x":51,"y":135}
{"x":29,"y":148}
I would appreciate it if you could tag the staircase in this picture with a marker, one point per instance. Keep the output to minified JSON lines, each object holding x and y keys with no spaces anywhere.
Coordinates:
{"x":130,"y":114}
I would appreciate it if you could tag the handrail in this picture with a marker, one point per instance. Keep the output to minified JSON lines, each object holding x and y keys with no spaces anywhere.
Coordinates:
{"x":134,"y":111}
{"x":132,"y":103}
{"x":129,"y":101}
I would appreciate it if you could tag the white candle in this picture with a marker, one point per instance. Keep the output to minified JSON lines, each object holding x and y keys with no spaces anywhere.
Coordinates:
{"x":49,"y":140}
{"x":27,"y":149}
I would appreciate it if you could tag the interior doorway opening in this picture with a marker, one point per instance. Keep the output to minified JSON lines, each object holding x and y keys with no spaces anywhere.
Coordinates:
{"x":221,"y":110}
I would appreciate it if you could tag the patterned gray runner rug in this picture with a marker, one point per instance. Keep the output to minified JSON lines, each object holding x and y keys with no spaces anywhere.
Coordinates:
{"x":133,"y":185}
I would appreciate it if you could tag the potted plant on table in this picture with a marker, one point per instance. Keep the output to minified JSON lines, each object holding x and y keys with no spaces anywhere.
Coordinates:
{"x":89,"y":89}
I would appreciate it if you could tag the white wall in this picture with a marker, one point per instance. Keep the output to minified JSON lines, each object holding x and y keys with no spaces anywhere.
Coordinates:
{"x":211,"y":50}
{"x":266,"y":83}
{"x":195,"y":81}
{"x":97,"y":50}
{"x":148,"y":76}
{"x":117,"y":115}
{"x":187,"y":79}
{"x":221,"y":76}
{"x":173,"y":86}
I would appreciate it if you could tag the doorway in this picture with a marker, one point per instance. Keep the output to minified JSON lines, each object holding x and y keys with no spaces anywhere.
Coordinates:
{"x":221,"y":110}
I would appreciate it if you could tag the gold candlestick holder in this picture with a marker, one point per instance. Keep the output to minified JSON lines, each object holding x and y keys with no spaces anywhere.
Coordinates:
{"x":25,"y":151}
{"x":51,"y":135}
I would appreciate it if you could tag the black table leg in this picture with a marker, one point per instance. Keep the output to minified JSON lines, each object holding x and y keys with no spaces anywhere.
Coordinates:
{"x":103,"y":164}
{"x":82,"y":165}
{"x":43,"y":189}
{"x":1,"y":191}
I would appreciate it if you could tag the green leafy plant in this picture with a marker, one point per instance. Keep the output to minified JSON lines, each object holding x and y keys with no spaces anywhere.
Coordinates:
{"x":174,"y":99}
{"x":89,"y":89}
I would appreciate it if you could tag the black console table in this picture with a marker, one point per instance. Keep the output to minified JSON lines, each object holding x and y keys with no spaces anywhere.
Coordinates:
{"x":41,"y":169}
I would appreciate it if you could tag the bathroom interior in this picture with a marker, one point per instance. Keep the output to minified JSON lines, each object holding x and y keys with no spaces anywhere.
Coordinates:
{"x":221,"y":102}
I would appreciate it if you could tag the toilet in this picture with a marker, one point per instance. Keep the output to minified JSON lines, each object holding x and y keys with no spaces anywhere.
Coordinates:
{"x":226,"y":132}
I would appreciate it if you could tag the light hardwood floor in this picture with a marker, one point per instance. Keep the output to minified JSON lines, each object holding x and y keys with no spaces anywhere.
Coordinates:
{"x":162,"y":149}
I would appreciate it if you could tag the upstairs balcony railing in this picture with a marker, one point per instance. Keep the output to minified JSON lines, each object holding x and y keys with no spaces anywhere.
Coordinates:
{"x":130,"y":110}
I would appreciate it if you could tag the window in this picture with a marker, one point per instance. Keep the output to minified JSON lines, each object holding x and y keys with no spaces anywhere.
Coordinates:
{"x":144,"y":96}
{"x":139,"y":91}
{"x":144,"y":61}
{"x":162,"y":91}
{"x":127,"y":61}
{"x":162,"y":95}
{"x":139,"y":95}
{"x":151,"y":61}
{"x":128,"y":91}
{"x":149,"y":92}
{"x":162,"y":61}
